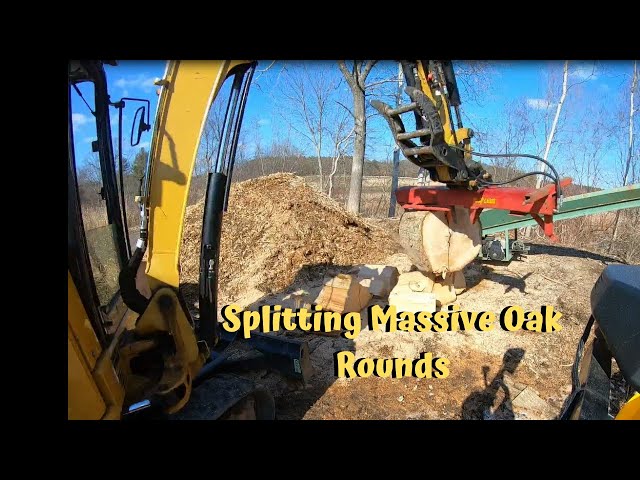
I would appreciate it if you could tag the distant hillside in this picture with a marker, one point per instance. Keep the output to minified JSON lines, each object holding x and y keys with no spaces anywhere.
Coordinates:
{"x":308,"y":166}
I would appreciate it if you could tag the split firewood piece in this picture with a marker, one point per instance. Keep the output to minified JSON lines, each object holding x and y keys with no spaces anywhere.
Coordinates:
{"x":379,"y":279}
{"x":413,"y":293}
{"x":342,"y":294}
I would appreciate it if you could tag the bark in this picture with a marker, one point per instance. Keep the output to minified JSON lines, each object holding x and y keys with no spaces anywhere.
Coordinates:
{"x":359,"y":144}
{"x":338,"y":152}
{"x":356,"y":78}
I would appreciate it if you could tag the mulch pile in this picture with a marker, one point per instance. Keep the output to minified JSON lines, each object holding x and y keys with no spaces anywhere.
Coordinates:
{"x":275,"y":226}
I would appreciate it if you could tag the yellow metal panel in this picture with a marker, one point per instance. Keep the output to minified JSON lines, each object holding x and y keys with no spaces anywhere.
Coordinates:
{"x":444,"y":111}
{"x":631,"y":410}
{"x":81,"y":326}
{"x":187,"y":94}
{"x":85,"y":401}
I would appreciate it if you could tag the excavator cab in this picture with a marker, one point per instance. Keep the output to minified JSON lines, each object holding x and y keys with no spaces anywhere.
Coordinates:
{"x":137,"y":352}
{"x":615,"y":303}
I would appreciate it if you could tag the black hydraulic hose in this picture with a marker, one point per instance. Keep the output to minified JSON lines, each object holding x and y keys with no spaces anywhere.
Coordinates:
{"x":555,"y":178}
{"x":515,"y":179}
{"x":131,"y":297}
{"x":208,"y":329}
{"x":236,"y":131}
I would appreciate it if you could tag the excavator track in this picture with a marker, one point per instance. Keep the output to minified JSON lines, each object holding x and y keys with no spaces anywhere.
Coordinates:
{"x":228,"y":397}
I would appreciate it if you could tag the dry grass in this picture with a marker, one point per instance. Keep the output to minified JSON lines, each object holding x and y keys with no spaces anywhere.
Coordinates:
{"x":595,"y":232}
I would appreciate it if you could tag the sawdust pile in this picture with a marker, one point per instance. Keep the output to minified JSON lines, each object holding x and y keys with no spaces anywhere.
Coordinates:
{"x":275,"y":226}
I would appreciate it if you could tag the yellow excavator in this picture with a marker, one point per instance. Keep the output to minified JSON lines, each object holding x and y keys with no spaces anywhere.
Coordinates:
{"x":133,"y":354}
{"x":130,"y":354}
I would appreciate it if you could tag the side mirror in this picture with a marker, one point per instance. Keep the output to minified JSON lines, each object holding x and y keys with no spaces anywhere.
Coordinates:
{"x":139,"y":125}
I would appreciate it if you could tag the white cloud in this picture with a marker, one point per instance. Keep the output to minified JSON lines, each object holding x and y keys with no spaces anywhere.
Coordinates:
{"x":583,"y":71}
{"x":264,"y":121}
{"x":143,"y":145}
{"x":88,"y":139}
{"x":80,"y":119}
{"x":539,"y":103}
{"x":141,"y":81}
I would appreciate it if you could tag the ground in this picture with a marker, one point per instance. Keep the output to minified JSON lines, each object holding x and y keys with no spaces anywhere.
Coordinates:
{"x":479,"y":385}
{"x":493,"y":375}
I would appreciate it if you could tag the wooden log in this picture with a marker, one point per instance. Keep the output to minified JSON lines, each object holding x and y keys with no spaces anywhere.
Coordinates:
{"x":444,"y":290}
{"x":379,"y":279}
{"x":437,"y":245}
{"x":342,"y":294}
{"x":412,"y":293}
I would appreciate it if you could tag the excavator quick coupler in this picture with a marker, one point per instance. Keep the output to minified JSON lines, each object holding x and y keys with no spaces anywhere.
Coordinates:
{"x":444,"y":163}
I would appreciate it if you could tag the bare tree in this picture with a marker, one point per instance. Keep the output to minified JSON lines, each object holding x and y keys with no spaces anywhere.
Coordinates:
{"x":625,"y":176}
{"x":306,"y":93}
{"x":256,"y":137}
{"x":211,"y":135}
{"x":356,"y":79}
{"x":541,"y":165}
{"x":89,"y":170}
{"x":340,"y":142}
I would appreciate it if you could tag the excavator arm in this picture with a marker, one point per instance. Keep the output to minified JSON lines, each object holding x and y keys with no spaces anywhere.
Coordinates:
{"x":442,"y":149}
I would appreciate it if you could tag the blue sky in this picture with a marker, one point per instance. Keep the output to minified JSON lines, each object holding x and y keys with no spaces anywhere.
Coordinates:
{"x":503,"y":91}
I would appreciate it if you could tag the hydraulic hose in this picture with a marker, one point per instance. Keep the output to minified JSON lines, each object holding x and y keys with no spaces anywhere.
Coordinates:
{"x":515,"y":179}
{"x":555,"y":177}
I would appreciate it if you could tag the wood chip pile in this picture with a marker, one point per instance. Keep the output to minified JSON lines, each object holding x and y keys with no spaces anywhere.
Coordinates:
{"x":275,"y":226}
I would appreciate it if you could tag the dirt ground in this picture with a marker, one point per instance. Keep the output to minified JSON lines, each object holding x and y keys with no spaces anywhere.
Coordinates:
{"x":493,"y":375}
{"x":489,"y":370}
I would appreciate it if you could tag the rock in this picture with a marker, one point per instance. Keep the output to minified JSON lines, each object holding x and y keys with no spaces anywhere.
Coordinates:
{"x":515,"y":388}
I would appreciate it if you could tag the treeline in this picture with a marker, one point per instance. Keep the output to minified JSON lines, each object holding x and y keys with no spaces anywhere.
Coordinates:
{"x":307,"y":166}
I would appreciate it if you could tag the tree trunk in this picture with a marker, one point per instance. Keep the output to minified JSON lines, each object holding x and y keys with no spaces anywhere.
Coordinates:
{"x":320,"y":170}
{"x":625,"y":176}
{"x":360,"y":131}
{"x":543,"y":167}
{"x":336,"y":159}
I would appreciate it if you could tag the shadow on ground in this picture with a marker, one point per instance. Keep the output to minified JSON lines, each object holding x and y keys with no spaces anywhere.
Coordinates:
{"x":561,"y":251}
{"x":477,"y":406}
{"x":293,"y":397}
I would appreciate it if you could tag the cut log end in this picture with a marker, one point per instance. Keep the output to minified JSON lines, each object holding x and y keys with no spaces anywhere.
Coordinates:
{"x":437,"y":245}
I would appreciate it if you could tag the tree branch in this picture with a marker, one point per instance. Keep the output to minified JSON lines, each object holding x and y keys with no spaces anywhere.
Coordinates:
{"x":347,"y":109}
{"x":367,"y":69}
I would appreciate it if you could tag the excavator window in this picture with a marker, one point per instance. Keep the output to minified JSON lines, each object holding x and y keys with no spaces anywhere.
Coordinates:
{"x":100,"y":233}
